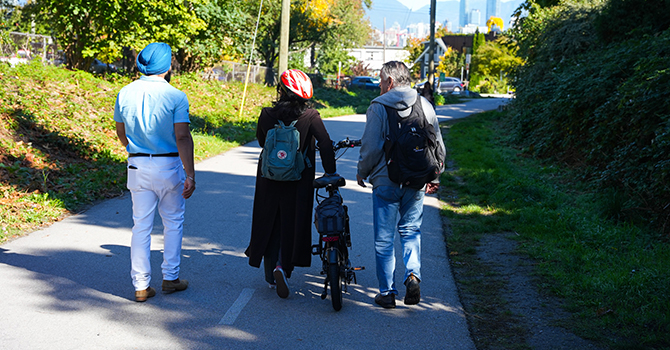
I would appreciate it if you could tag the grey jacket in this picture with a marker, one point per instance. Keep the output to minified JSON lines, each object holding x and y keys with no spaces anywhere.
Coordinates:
{"x":372,"y":161}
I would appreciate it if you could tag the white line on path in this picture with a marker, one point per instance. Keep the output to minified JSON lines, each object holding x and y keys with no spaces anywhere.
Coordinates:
{"x":234,"y":311}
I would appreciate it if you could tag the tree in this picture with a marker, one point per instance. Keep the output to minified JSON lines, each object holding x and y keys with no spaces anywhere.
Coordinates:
{"x":339,"y":24}
{"x":331,"y":55}
{"x":219,"y":39}
{"x":451,"y":62}
{"x":493,"y":59}
{"x":478,"y":40}
{"x":492,"y":63}
{"x":334,"y":47}
{"x":495,"y":22}
{"x":360,"y":69}
{"x":86,"y":29}
{"x":415,"y":47}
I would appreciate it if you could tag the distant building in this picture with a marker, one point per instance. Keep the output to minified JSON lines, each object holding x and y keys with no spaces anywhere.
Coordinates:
{"x":475,"y":17}
{"x":394,"y":37}
{"x":418,"y":30}
{"x":463,"y":13}
{"x":492,"y":8}
{"x":448,"y":25}
{"x":473,"y":28}
{"x":375,"y":56}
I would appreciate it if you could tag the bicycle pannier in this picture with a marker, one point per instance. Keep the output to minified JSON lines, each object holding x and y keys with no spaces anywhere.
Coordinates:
{"x":329,"y":215}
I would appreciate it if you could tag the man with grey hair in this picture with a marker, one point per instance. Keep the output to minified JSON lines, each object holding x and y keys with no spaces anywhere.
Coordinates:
{"x":396,"y":208}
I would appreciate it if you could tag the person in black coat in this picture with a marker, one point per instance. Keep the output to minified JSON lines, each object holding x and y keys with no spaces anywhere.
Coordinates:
{"x":281,"y":229}
{"x":427,"y":92}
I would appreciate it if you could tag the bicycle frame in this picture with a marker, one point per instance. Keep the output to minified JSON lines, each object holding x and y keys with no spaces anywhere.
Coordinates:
{"x":333,"y":245}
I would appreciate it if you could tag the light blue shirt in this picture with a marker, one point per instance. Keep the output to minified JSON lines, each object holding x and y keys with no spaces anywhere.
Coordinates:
{"x":149,"y":107}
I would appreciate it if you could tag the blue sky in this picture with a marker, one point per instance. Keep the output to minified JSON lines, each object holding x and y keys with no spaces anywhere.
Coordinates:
{"x":417,"y":4}
{"x":406,"y":12}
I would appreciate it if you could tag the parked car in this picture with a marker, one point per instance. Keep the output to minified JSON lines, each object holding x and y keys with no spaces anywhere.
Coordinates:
{"x":101,"y":67}
{"x":450,"y":84}
{"x":446,"y":85}
{"x":367,"y":83}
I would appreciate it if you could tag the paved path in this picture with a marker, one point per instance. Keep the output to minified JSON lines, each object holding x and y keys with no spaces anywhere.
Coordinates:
{"x":68,"y":286}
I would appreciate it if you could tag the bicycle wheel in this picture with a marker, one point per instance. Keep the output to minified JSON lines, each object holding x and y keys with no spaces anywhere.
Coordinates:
{"x":335,"y":279}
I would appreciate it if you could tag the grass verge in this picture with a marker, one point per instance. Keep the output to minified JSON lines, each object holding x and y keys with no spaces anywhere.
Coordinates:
{"x":612,"y":276}
{"x":333,"y":103}
{"x":58,"y":147}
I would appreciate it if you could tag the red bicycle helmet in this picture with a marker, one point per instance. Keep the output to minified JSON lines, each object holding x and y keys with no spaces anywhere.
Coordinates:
{"x":297,"y":82}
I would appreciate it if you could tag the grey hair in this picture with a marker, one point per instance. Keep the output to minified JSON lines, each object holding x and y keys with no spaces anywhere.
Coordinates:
{"x":396,"y":70}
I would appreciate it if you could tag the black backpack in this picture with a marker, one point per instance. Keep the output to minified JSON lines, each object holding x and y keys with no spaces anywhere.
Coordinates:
{"x":413,"y":155}
{"x":330,"y":216}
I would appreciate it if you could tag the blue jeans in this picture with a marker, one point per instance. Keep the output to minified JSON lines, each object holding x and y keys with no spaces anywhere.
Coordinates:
{"x":399,"y":210}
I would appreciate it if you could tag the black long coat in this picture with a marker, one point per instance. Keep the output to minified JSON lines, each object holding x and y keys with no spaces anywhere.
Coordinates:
{"x":287,"y":205}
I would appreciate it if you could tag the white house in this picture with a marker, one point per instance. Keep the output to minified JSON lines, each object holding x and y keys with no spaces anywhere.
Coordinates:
{"x":375,"y":56}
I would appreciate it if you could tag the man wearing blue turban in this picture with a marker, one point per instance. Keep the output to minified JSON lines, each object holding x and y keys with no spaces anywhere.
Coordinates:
{"x":152,"y":122}
{"x":155,"y":59}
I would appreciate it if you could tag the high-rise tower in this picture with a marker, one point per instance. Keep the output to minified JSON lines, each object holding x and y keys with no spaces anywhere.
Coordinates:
{"x":492,"y":8}
{"x":475,"y":17}
{"x":464,"y":11}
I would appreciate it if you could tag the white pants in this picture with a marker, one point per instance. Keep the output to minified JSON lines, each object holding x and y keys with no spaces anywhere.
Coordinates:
{"x":156,"y":182}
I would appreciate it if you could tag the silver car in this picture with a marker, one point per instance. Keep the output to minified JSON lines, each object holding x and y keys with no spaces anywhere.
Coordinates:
{"x":446,"y":85}
{"x":450,"y":84}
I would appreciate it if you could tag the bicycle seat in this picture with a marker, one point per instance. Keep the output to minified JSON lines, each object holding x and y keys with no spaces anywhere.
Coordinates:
{"x":324,"y":181}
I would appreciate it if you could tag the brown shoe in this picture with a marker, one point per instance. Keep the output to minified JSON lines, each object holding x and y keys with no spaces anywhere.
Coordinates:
{"x":174,"y":286}
{"x":143,"y":295}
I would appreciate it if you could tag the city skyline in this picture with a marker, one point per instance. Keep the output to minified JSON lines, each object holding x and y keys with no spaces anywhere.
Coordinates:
{"x":417,"y":4}
{"x":446,"y":11}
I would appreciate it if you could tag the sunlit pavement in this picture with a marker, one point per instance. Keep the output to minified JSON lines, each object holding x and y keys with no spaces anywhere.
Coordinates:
{"x":68,"y":286}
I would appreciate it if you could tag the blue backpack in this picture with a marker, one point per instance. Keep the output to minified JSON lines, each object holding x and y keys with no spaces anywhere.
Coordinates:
{"x":281,"y":159}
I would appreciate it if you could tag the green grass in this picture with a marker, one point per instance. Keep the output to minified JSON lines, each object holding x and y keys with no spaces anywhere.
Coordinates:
{"x":332,"y":103}
{"x":58,"y":147}
{"x":613,"y":276}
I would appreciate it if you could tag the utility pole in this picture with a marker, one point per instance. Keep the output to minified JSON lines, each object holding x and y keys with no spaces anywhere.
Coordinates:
{"x":283,"y":41}
{"x":431,"y":48}
{"x":384,"y":42}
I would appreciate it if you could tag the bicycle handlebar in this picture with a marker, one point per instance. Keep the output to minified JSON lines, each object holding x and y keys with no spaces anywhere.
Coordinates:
{"x":346,"y":143}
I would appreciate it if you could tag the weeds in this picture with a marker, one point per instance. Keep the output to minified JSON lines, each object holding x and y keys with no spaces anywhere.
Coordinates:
{"x":58,"y":147}
{"x":612,"y":274}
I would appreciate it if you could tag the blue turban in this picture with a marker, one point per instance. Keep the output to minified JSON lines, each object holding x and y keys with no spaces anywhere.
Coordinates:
{"x":156,"y":58}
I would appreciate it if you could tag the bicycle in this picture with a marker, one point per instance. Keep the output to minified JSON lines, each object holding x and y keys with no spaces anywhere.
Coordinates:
{"x":331,"y":219}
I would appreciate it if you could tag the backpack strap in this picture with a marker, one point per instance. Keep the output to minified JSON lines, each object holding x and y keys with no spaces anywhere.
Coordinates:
{"x":308,"y":163}
{"x":392,"y":116}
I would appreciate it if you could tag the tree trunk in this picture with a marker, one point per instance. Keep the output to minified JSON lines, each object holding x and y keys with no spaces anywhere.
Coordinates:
{"x":185,"y":62}
{"x":73,"y":51}
{"x":269,"y":71}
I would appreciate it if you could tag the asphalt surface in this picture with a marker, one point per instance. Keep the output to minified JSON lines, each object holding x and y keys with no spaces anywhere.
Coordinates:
{"x":68,"y":286}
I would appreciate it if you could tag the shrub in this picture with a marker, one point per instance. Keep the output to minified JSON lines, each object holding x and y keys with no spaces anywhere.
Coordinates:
{"x":601,"y":107}
{"x":439,"y":99}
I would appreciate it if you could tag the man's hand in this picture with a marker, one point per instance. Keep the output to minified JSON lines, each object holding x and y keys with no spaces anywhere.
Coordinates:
{"x":432,"y":188}
{"x":360,"y":181}
{"x":189,"y":187}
